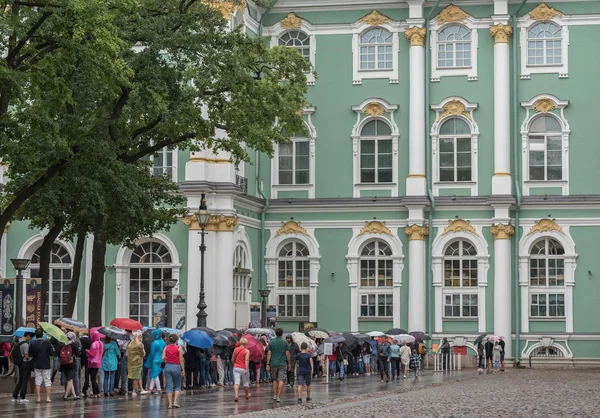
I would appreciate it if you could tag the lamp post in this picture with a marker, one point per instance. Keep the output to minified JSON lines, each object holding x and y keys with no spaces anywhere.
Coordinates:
{"x":169,"y":284}
{"x":202,"y":216}
{"x":264,"y":294}
{"x":19,"y":264}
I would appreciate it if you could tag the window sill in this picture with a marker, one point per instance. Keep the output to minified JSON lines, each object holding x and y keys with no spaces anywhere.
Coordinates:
{"x":547,"y":319}
{"x":375,"y":318}
{"x":379,"y":185}
{"x":455,"y":183}
{"x":291,"y":318}
{"x":542,"y":183}
{"x":460,"y":319}
{"x":293,"y":186}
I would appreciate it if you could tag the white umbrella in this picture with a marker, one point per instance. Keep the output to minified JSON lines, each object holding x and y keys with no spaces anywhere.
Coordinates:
{"x":375,"y":334}
{"x":300,"y":338}
{"x":404,"y":338}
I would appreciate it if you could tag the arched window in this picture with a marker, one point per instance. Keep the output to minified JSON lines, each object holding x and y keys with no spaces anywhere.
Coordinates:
{"x":297,"y":40}
{"x":376,"y":153}
{"x":544,"y":44}
{"x":60,"y":280}
{"x":376,"y":280}
{"x":454,"y":47}
{"x":376,"y":50}
{"x":149,"y":266}
{"x":460,"y":280}
{"x":547,"y":279}
{"x":293,"y":282}
{"x":294,"y":161}
{"x":545,"y":149}
{"x":455,"y":151}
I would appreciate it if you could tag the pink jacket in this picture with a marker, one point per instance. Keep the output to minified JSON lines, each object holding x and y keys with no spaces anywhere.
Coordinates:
{"x":95,"y":352}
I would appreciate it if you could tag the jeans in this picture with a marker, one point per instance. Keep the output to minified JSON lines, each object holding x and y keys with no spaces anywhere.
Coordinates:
{"x":205,"y":378}
{"x":77,"y":378}
{"x":395,"y":367}
{"x":21,"y":387}
{"x":94,"y":377}
{"x":341,"y":367}
{"x":332,"y":367}
{"x":109,"y":381}
{"x":374,"y":362}
{"x":172,"y":373}
{"x":265,"y":376}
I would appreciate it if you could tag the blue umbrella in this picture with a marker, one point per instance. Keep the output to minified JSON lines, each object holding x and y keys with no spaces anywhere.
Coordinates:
{"x":22,"y":330}
{"x":198,"y":339}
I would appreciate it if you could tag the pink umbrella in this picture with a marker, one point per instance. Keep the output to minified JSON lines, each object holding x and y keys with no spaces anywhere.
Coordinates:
{"x":257,"y":351}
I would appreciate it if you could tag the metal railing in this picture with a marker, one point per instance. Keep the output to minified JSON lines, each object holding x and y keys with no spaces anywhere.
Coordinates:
{"x":452,"y":362}
{"x":241,"y":182}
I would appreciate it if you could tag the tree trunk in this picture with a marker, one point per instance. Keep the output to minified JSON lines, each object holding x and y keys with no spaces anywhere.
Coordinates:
{"x":81,"y":235}
{"x":45,"y":254}
{"x":97,"y":280}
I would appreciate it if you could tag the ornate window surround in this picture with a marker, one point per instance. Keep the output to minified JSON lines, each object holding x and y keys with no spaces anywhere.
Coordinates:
{"x":310,"y":187}
{"x":454,"y":107}
{"x":446,"y":236}
{"x":361,"y":237}
{"x":546,"y":228}
{"x":545,"y":104}
{"x":241,"y":239}
{"x":372,"y":109}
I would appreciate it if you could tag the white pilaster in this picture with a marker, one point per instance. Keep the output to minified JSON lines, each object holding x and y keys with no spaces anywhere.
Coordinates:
{"x":416,"y":288}
{"x":221,"y":309}
{"x":89,"y":243}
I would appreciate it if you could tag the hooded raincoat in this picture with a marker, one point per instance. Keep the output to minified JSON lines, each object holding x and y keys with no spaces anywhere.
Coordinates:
{"x":154,"y":360}
{"x":94,"y":354}
{"x":110,"y":359}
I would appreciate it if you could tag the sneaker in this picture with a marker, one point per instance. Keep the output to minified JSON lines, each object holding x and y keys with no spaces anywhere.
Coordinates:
{"x":175,"y":405}
{"x":308,"y":399}
{"x":22,"y":401}
{"x":144,"y":392}
{"x":278,"y":399}
{"x":134,"y":394}
{"x":299,"y":400}
{"x":14,"y":400}
{"x":214,"y":386}
{"x":381,"y":380}
{"x":274,"y":398}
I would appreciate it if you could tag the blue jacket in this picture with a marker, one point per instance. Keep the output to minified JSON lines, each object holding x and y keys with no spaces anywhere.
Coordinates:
{"x":110,"y":358}
{"x":154,"y":360}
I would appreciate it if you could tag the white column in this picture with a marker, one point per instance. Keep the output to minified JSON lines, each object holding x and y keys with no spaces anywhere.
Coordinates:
{"x":501,"y":32}
{"x":524,"y":286}
{"x":416,"y":184}
{"x":353,"y":273}
{"x":314,"y":284}
{"x":502,"y":283}
{"x":220,"y":309}
{"x":438,"y":307}
{"x":417,"y":301}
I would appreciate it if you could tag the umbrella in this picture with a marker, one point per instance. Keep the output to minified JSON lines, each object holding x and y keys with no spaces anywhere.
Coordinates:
{"x":222,"y":341}
{"x":72,"y":324}
{"x":211,"y":332}
{"x":396,"y":331}
{"x":362,"y":338}
{"x":20,"y":332}
{"x":198,"y":338}
{"x":262,"y":331}
{"x":351,"y":340}
{"x":54,"y":331}
{"x":375,"y":334}
{"x":480,"y":338}
{"x":495,"y":338}
{"x":335,"y":339}
{"x":404,"y":338}
{"x":112,"y":331}
{"x":420,"y":335}
{"x":147,"y":339}
{"x":236,"y":333}
{"x":228,"y":335}
{"x":172,"y":331}
{"x":127,"y":324}
{"x":317,"y":333}
{"x":257,"y":351}
{"x":300,"y":338}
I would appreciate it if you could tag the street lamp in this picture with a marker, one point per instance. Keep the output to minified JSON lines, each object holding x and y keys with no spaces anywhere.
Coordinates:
{"x":202,"y":216}
{"x":19,"y":264}
{"x":264,"y":294}
{"x":169,"y":284}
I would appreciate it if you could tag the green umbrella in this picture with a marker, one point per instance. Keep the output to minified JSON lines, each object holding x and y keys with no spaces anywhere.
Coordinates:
{"x":54,"y":331}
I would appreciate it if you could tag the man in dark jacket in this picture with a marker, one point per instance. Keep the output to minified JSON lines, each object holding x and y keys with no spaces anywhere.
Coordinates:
{"x":489,"y":355}
{"x":41,"y":351}
{"x":294,"y":350}
{"x":445,"y":354}
{"x":25,"y":368}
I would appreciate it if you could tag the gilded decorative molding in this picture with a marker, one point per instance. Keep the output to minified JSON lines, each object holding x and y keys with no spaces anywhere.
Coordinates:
{"x":374,"y":109}
{"x":452,"y":13}
{"x":6,"y":227}
{"x":291,"y":227}
{"x":544,"y":12}
{"x":375,"y":18}
{"x":455,"y":107}
{"x":459,"y":225}
{"x":226,"y":7}
{"x":501,"y":33}
{"x":544,"y":105}
{"x":501,"y":231}
{"x":416,"y":36}
{"x":375,"y":227}
{"x":292,"y":21}
{"x":416,"y":232}
{"x":216,"y":223}
{"x":545,"y":225}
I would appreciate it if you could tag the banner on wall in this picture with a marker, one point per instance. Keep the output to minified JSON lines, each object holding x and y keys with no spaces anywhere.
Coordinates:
{"x":179,"y":310}
{"x":7,"y":306}
{"x":271,"y":316}
{"x":255,"y":315}
{"x":159,"y":307}
{"x":33,"y":302}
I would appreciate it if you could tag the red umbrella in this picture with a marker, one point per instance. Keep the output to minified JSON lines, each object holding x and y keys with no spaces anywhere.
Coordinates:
{"x":257,"y":351}
{"x":126,"y":324}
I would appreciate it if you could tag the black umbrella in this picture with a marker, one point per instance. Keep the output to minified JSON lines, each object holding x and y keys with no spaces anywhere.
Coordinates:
{"x":115,"y":333}
{"x":396,"y":331}
{"x":362,"y":338}
{"x":420,"y":335}
{"x":351,"y":340}
{"x":211,"y":332}
{"x":480,"y":338}
{"x":224,"y":338}
{"x":147,"y":339}
{"x":236,"y":332}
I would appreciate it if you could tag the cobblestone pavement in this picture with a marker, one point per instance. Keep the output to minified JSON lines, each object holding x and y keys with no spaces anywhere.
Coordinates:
{"x":514,"y":393}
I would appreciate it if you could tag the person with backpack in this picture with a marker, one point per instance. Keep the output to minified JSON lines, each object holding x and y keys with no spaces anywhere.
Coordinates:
{"x":41,"y":351}
{"x":19,"y":355}
{"x":68,"y":366}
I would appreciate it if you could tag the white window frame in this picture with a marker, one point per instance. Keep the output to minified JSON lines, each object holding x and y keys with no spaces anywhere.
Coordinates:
{"x":277,"y":30}
{"x":470,"y":72}
{"x":376,"y":153}
{"x":375,"y":290}
{"x":526,"y":23}
{"x":460,"y":290}
{"x":461,"y":293}
{"x":286,"y":296}
{"x":533,"y":110}
{"x":443,"y":113}
{"x":366,"y":295}
{"x":359,"y":75}
{"x":536,"y":293}
{"x":363,"y":116}
{"x":310,"y":187}
{"x":162,"y":154}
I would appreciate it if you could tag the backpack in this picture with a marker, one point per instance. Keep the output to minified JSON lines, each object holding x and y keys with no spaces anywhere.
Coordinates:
{"x":66,"y":355}
{"x":15,"y":354}
{"x":368,"y":348}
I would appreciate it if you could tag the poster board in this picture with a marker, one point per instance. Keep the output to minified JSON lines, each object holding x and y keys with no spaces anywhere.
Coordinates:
{"x":179,"y":310}
{"x":33,"y":302}
{"x":159,"y":307}
{"x":7,"y":306}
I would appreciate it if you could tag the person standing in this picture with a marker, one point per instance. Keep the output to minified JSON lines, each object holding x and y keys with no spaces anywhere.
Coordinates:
{"x":68,"y":366}
{"x":192,"y":367}
{"x":41,"y":351}
{"x":94,"y":361}
{"x":480,"y":356}
{"x":110,"y":362}
{"x":405,"y":353}
{"x":174,"y":371}
{"x":395,"y":360}
{"x":366,"y":351}
{"x":489,"y":354}
{"x":122,"y":377}
{"x":278,"y":362}
{"x":415,"y":362}
{"x":20,"y":358}
{"x":86,"y":343}
{"x":342,"y":354}
{"x":501,"y":344}
{"x":305,"y":371}
{"x":374,"y":354}
{"x":294,"y":350}
{"x":4,"y":352}
{"x":497,"y":355}
{"x":384,"y":360}
{"x":445,"y":354}
{"x":135,"y":362}
{"x":241,"y":367}
{"x":155,"y":359}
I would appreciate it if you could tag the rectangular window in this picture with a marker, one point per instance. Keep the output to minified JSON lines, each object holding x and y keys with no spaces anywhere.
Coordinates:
{"x":376,"y":161}
{"x":460,"y":306}
{"x":162,"y":162}
{"x":376,"y":305}
{"x":550,"y":305}
{"x":376,"y":277}
{"x":545,"y":158}
{"x":294,"y":162}
{"x":547,"y":272}
{"x":453,"y":270}
{"x":455,"y":159}
{"x":293,"y":306}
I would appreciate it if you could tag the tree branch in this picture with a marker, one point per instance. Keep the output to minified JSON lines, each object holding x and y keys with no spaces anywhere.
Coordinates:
{"x":146,"y":128}
{"x":155,"y":147}
{"x":117,"y":110}
{"x":12,"y":54}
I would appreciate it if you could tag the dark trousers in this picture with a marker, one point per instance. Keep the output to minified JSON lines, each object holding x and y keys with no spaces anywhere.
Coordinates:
{"x":445,"y":360}
{"x":21,"y":387}
{"x":192,"y":378}
{"x":383,"y":367}
{"x":317,"y":367}
{"x":481,"y":363}
{"x":86,"y":380}
{"x":3,"y":365}
{"x":93,"y":376}
{"x":395,"y":367}
{"x":291,"y":378}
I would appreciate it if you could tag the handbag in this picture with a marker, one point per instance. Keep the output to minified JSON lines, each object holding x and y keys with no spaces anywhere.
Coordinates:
{"x":345,"y":362}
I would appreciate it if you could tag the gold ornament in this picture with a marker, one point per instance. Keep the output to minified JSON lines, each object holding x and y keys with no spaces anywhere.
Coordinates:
{"x":375,"y":227}
{"x":500,"y":231}
{"x":292,"y":21}
{"x":459,"y":225}
{"x":6,"y":227}
{"x":544,"y":105}
{"x":226,"y":7}
{"x":416,"y":36}
{"x":545,"y":225}
{"x":291,"y":227}
{"x":375,"y":18}
{"x":374,"y":109}
{"x":451,"y":13}
{"x":416,"y":232}
{"x":455,"y":107}
{"x":216,"y":223}
{"x":501,"y":33}
{"x":544,"y":12}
